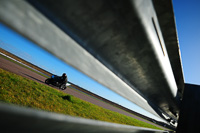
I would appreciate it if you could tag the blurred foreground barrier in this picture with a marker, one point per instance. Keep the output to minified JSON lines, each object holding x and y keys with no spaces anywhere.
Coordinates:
{"x":15,"y":119}
{"x":130,"y":47}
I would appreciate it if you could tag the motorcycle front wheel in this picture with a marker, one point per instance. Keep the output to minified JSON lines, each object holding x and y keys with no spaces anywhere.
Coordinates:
{"x":63,"y":87}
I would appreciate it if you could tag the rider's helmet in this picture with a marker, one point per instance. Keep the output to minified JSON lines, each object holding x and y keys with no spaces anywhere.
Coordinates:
{"x":64,"y":75}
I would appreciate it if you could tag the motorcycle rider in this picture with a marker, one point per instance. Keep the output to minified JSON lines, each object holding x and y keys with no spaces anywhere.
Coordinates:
{"x":58,"y":81}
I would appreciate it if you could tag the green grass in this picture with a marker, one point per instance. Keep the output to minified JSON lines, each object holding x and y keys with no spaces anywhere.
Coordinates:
{"x":21,"y":91}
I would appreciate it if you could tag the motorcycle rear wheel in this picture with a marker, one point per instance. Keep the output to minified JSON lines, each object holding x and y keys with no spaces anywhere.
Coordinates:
{"x":47,"y":81}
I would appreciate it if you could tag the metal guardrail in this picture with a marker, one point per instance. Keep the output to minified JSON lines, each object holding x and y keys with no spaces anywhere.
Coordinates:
{"x":126,"y":37}
{"x":29,"y":22}
{"x":14,"y":119}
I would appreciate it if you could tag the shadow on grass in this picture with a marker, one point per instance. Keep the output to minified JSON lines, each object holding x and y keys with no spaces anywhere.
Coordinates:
{"x":33,"y":78}
{"x":68,"y":97}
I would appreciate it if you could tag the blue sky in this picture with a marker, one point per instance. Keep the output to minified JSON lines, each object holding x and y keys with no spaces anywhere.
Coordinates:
{"x":188,"y":29}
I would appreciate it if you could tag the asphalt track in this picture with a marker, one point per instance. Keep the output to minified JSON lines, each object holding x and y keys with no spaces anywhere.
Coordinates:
{"x":24,"y":72}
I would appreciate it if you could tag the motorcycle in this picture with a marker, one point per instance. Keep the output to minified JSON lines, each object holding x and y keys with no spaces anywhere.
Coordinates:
{"x":55,"y":81}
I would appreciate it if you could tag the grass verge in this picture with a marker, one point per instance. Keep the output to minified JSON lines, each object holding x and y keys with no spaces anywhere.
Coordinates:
{"x":21,"y":91}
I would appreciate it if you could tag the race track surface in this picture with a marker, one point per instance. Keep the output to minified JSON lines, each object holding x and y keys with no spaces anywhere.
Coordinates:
{"x":19,"y":70}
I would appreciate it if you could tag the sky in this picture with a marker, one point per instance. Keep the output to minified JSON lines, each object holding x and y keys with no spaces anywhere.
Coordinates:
{"x":187,"y":16}
{"x":188,"y":28}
